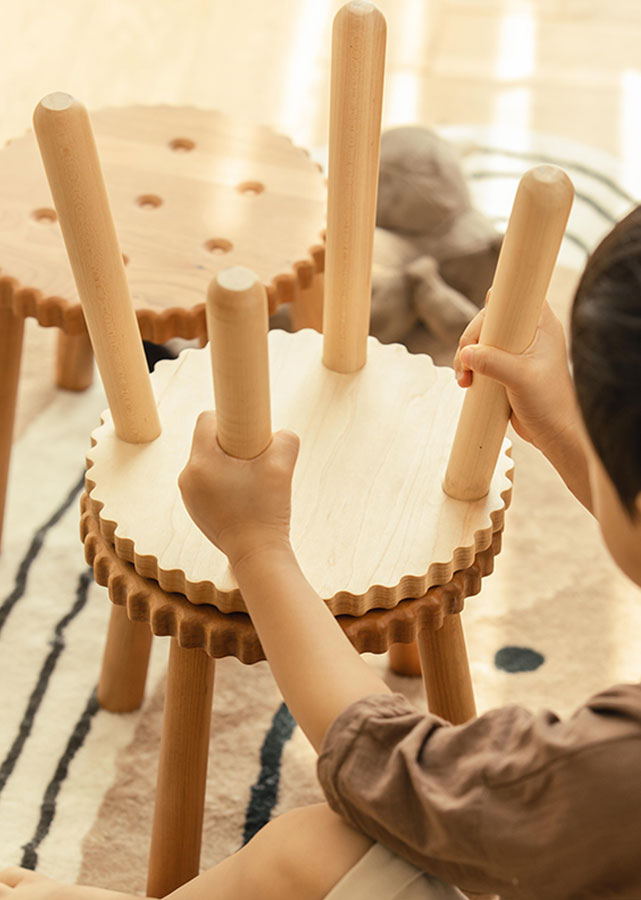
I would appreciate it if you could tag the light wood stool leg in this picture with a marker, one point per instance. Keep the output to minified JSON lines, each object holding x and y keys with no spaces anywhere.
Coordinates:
{"x":404,"y":659}
{"x":182,"y":771}
{"x":124,"y":664}
{"x":74,"y":363}
{"x":446,"y":671}
{"x":11,"y":332}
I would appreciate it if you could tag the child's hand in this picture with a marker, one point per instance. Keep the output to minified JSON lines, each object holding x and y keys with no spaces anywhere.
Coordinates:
{"x":538,"y":382}
{"x":241,"y":505}
{"x":23,"y":884}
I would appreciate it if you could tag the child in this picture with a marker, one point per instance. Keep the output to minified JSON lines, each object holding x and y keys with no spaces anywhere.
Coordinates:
{"x":519,"y":804}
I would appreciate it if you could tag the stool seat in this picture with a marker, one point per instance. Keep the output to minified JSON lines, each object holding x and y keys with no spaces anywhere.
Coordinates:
{"x":192,"y":191}
{"x":232,"y":634}
{"x":371,"y":524}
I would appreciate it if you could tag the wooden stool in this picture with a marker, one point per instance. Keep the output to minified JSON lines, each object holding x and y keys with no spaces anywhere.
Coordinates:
{"x":433,"y":620}
{"x":192,"y":192}
{"x":390,"y":498}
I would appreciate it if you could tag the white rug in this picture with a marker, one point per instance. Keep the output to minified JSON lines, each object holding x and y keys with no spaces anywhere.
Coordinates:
{"x":553,"y":624}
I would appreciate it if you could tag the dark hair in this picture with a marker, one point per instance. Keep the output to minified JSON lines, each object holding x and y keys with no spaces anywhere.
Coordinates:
{"x":606,"y":354}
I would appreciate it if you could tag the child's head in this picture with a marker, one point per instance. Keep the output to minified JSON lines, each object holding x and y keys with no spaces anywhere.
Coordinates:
{"x":606,"y":355}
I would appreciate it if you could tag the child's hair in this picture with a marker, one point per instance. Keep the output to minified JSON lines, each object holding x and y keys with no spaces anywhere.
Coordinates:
{"x":606,"y":354}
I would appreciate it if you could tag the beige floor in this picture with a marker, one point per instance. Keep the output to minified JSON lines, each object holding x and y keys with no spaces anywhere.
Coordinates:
{"x":565,"y":67}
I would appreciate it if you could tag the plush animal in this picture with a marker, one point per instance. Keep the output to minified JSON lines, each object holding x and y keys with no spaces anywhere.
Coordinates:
{"x":434,"y":254}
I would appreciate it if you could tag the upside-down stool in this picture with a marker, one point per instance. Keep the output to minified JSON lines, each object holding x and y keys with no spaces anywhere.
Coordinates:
{"x":400,"y":485}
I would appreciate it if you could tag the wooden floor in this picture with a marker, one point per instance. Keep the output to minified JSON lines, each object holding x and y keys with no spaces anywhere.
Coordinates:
{"x":566,"y":67}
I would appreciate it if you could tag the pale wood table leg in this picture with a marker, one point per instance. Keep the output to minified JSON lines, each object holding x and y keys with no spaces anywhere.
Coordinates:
{"x":74,"y":363}
{"x":182,"y":770}
{"x":404,"y":659}
{"x":446,"y":671}
{"x":11,"y":332}
{"x":121,"y":687}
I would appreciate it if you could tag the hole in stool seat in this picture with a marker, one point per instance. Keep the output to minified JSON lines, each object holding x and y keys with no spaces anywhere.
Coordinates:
{"x":218,"y":245}
{"x":149,"y":201}
{"x":45,"y":215}
{"x":182,"y":145}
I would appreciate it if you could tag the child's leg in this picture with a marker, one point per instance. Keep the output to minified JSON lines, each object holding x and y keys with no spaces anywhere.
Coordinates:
{"x":300,"y":855}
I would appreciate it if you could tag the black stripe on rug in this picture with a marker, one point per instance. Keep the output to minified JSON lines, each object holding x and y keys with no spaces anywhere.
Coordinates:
{"x":50,"y":798}
{"x":264,"y":793}
{"x":35,"y":547}
{"x":601,"y":210}
{"x":42,"y":683}
{"x":564,"y":163}
{"x":569,"y":236}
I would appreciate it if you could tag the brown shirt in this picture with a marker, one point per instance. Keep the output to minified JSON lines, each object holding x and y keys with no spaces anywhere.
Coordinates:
{"x":523,"y":805}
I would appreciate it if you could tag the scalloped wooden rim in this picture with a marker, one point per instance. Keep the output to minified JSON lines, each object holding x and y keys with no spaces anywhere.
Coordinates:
{"x":342,"y":603}
{"x":232,"y":634}
{"x":162,"y":325}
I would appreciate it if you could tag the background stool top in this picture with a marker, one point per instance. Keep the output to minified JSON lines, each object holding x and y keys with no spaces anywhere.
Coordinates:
{"x":192,"y":191}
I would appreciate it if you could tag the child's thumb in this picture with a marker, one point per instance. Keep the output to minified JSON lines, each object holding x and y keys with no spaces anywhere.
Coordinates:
{"x":498,"y":364}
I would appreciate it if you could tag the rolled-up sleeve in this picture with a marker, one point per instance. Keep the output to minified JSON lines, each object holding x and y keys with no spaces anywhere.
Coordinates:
{"x":513,"y":802}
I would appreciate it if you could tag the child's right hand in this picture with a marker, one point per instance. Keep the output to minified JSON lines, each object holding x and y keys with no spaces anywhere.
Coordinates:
{"x":538,"y":382}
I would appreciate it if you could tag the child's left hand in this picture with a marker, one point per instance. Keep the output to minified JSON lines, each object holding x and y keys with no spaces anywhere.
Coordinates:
{"x":23,"y":884}
{"x":242,"y":505}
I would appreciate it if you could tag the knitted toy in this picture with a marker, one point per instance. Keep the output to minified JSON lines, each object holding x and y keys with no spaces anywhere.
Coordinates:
{"x":434,"y":254}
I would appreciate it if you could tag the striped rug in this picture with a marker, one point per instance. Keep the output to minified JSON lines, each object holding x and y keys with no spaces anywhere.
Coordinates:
{"x":554,"y":623}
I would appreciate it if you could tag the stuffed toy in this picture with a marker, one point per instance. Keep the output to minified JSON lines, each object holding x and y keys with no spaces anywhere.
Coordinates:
{"x":434,"y":254}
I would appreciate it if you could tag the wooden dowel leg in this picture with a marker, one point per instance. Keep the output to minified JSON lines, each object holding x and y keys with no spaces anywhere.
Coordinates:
{"x":446,"y":671}
{"x":121,"y":687}
{"x":237,"y":325}
{"x":74,"y":362}
{"x":356,"y":98}
{"x":182,"y":771}
{"x":77,"y":186}
{"x":404,"y":659}
{"x":11,"y":333}
{"x":528,"y":255}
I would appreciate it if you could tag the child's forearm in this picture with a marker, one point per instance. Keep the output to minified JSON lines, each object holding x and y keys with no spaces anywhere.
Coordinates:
{"x":318,"y":671}
{"x":567,"y":454}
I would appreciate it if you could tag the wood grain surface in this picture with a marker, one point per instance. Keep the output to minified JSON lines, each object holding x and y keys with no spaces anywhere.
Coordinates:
{"x":192,"y":191}
{"x":371,"y":524}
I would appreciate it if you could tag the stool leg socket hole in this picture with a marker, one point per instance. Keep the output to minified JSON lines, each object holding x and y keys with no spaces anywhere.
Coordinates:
{"x":149,"y":201}
{"x":218,"y":245}
{"x":250,"y":188}
{"x":182,"y":144}
{"x":45,"y":215}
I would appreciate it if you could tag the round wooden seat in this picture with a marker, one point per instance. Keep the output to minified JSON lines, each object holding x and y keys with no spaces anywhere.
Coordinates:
{"x":192,"y":191}
{"x":371,"y":524}
{"x":220,"y":634}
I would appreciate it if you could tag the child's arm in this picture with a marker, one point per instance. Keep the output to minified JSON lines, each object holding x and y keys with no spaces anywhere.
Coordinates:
{"x":541,"y":394}
{"x":243,"y":507}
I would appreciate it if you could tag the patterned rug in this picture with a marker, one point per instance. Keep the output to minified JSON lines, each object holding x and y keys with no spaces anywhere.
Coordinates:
{"x":554,"y":623}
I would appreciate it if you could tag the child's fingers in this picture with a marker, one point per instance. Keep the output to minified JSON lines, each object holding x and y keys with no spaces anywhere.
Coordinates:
{"x":469,"y":336}
{"x":15,"y":875}
{"x":501,"y":366}
{"x":288,"y":444}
